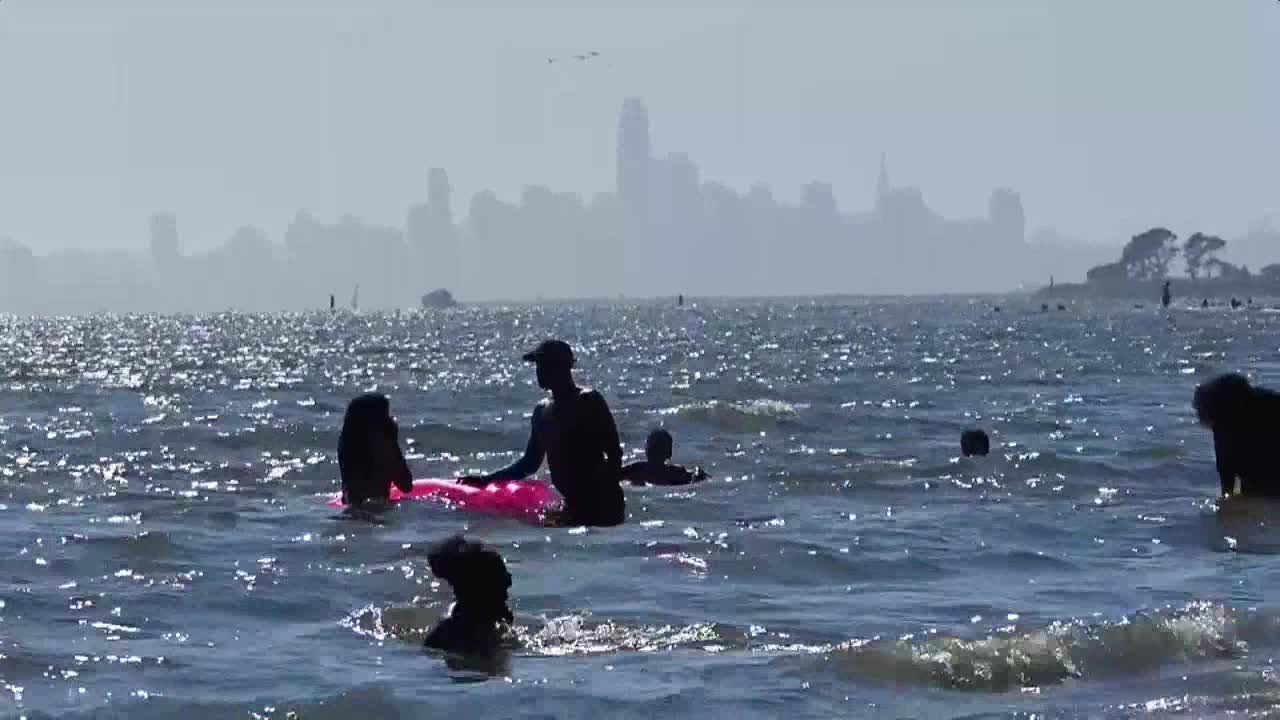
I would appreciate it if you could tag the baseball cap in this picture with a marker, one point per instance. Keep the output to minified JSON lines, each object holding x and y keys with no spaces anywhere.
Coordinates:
{"x":553,"y":351}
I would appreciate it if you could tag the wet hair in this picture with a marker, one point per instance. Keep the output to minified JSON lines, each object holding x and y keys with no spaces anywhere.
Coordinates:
{"x":974,"y":442}
{"x":660,"y":440}
{"x":1222,"y":400}
{"x":366,"y":416}
{"x":477,"y":574}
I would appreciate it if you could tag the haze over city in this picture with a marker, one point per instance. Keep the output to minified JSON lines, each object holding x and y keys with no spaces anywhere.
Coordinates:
{"x":263,"y":155}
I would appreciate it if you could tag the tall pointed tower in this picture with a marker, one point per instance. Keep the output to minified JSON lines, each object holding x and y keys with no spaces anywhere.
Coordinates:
{"x":882,"y":186}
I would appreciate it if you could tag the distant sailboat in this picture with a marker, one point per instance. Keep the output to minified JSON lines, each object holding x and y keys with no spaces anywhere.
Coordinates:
{"x":355,"y":299}
{"x":332,"y":307}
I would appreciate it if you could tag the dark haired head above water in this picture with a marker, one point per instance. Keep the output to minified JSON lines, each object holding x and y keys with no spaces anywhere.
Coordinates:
{"x":974,"y":442}
{"x":369,"y":456}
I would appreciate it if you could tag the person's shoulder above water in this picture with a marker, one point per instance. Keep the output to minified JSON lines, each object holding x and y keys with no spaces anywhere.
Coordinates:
{"x":648,"y":473}
{"x":592,"y":401}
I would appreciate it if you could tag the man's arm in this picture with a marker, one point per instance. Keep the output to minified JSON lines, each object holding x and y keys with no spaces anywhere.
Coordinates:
{"x":528,"y":463}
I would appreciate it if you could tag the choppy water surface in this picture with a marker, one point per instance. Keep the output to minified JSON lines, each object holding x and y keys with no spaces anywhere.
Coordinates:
{"x":166,"y":550}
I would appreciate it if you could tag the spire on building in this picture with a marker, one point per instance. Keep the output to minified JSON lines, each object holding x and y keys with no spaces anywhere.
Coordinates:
{"x":882,"y":187}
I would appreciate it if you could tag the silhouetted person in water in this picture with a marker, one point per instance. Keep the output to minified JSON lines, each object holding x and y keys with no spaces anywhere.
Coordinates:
{"x":479,"y":618}
{"x":654,"y":470}
{"x":974,"y":442}
{"x":1165,"y":296}
{"x":575,"y":431}
{"x":369,"y":457}
{"x":1205,"y":303}
{"x":1245,"y":421}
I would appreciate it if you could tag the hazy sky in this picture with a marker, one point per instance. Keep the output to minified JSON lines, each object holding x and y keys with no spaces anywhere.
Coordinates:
{"x":1107,"y":115}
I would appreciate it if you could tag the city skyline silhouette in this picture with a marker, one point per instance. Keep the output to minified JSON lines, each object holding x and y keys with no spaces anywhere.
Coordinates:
{"x":663,"y":230}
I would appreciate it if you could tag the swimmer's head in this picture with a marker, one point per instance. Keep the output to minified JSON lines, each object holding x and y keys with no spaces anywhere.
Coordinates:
{"x":974,"y":442}
{"x":658,"y":447}
{"x":366,"y":416}
{"x":554,"y":361}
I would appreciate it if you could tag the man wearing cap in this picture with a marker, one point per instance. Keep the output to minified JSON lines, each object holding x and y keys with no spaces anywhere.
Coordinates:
{"x":575,"y":431}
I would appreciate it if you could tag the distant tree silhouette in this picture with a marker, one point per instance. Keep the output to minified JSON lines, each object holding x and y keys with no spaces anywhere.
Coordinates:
{"x":1147,"y":256}
{"x":1270,"y":273}
{"x":1226,"y":271}
{"x":1115,"y":272}
{"x":1198,"y":249}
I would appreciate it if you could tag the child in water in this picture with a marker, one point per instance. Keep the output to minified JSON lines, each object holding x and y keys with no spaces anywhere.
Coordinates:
{"x":369,"y":456}
{"x":654,"y":470}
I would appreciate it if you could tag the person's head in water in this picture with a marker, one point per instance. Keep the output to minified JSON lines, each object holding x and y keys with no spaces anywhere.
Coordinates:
{"x":367,"y":410}
{"x":369,"y":457}
{"x":658,"y":447}
{"x":974,"y":442}
{"x":554,"y":362}
{"x":481,"y":585}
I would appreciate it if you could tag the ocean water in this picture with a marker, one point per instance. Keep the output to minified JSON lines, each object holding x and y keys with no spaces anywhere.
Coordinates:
{"x":165,"y":550}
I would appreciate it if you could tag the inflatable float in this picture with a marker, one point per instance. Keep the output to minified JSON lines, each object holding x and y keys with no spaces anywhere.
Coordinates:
{"x":521,"y":499}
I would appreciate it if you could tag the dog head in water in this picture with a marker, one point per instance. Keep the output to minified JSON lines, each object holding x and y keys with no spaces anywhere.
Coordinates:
{"x":480,"y":582}
{"x":1223,"y":401}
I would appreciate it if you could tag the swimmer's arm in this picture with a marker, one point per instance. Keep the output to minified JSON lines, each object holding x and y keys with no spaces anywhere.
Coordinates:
{"x":633,"y":472}
{"x":529,"y":463}
{"x":393,"y":459}
{"x":681,"y":475}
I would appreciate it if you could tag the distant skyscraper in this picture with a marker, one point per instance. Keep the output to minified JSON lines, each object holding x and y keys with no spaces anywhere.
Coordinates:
{"x":164,"y":239}
{"x":882,"y":186}
{"x":439,"y":195}
{"x":819,"y":197}
{"x":634,"y":152}
{"x":440,"y":209}
{"x":432,"y":236}
{"x":1008,"y":221}
{"x":637,"y":221}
